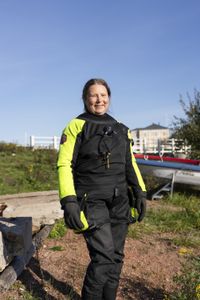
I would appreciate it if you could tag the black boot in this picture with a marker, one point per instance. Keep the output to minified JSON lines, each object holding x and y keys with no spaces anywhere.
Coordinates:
{"x":109,"y":293}
{"x":88,"y":295}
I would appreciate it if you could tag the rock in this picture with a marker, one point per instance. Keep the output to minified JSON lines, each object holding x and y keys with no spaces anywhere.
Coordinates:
{"x":43,"y":207}
{"x":5,"y":259}
{"x":15,"y":238}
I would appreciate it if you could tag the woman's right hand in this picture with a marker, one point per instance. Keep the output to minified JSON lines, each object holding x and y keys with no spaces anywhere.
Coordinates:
{"x":72,"y":215}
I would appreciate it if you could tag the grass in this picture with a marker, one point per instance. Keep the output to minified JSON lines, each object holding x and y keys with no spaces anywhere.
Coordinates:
{"x":25,"y":170}
{"x":56,"y":248}
{"x":180,"y":216}
{"x":188,"y":282}
{"x":24,"y":294}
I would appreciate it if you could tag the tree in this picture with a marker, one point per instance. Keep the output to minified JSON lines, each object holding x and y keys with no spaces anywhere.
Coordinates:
{"x":188,"y":128}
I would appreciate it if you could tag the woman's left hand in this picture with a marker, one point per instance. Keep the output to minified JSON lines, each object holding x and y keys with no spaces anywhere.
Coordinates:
{"x":140,"y":205}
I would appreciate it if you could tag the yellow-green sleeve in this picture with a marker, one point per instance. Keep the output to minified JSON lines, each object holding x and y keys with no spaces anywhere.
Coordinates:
{"x":65,"y":157}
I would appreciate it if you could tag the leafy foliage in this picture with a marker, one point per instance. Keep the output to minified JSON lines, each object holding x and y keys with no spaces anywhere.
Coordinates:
{"x":188,"y":128}
{"x":59,"y":230}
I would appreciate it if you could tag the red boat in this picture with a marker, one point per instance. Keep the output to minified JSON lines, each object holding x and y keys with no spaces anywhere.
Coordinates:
{"x":167,"y":158}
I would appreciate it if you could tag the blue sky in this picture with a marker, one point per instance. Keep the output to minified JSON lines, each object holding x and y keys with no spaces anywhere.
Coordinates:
{"x":147,"y":50}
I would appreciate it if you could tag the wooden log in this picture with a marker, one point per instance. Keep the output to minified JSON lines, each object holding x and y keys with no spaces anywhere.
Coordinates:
{"x":2,"y":207}
{"x":11,"y":273}
{"x":41,"y":236}
{"x":16,"y":267}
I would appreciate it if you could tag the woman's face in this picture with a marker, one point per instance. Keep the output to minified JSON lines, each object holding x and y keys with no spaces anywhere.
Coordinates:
{"x":97,"y":99}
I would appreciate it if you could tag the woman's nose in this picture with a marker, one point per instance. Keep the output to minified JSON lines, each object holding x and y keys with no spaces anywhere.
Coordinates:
{"x":98,"y":98}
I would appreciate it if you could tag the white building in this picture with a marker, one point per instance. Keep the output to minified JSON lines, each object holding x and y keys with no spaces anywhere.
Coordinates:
{"x":151,"y":133}
{"x":151,"y":139}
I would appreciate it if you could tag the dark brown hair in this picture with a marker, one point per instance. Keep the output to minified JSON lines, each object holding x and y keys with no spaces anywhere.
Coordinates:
{"x":92,"y":82}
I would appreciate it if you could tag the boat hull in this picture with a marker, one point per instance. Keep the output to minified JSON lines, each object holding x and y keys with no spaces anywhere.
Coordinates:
{"x":180,"y":173}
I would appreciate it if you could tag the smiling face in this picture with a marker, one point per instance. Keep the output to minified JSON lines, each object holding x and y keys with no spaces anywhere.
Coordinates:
{"x":97,"y":99}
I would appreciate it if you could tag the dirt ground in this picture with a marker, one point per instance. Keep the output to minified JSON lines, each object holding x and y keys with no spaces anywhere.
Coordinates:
{"x":149,"y":266}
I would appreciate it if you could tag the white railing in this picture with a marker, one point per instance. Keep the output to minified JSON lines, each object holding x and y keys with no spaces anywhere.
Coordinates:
{"x":140,"y":145}
{"x":44,"y":142}
{"x":161,"y":146}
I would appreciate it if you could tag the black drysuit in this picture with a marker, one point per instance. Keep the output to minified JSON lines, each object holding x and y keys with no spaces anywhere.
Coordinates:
{"x":95,"y":167}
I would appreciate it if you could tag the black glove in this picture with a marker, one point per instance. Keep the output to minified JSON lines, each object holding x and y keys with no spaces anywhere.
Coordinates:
{"x":72,"y":215}
{"x":140,"y":205}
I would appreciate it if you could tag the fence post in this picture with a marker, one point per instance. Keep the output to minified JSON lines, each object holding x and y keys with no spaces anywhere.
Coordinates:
{"x":162,"y":151}
{"x":159,"y":146}
{"x":144,"y":146}
{"x":54,"y":142}
{"x":173,"y":146}
{"x":32,"y":141}
{"x":141,"y":145}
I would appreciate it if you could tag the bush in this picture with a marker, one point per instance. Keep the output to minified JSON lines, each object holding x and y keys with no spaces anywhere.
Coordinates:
{"x":59,"y":230}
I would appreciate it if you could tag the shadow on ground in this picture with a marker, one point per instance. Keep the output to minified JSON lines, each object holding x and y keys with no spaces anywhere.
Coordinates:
{"x":39,"y":281}
{"x":40,"y":284}
{"x":137,"y":290}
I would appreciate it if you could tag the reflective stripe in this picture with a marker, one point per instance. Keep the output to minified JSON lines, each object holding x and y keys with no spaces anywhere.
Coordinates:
{"x":135,"y":167}
{"x":84,"y":221}
{"x":65,"y":156}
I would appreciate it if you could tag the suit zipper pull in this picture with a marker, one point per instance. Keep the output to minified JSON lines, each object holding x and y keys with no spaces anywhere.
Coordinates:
{"x":107,"y":160}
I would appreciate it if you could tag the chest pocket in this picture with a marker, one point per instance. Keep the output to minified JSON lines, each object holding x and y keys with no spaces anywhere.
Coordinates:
{"x":107,"y":144}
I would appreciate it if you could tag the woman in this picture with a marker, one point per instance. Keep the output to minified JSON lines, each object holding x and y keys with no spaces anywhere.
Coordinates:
{"x":99,"y":182}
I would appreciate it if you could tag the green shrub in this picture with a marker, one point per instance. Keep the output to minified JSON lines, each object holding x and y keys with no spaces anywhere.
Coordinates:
{"x":59,"y":230}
